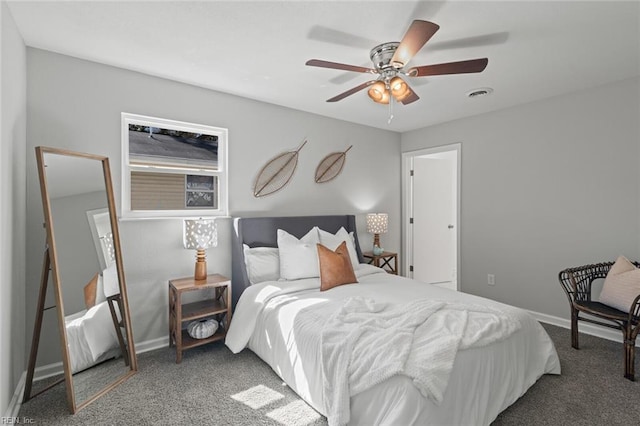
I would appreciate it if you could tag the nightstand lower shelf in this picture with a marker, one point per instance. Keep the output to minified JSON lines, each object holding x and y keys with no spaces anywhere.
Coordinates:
{"x":190,"y":342}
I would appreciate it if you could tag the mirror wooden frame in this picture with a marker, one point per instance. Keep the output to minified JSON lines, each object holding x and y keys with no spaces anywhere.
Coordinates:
{"x":50,"y":265}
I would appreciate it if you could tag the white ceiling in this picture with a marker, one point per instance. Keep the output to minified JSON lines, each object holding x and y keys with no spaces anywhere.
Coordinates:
{"x":258,"y":49}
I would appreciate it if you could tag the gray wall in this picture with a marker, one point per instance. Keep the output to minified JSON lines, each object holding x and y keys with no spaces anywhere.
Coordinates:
{"x":13,"y":113}
{"x":76,"y":104}
{"x":77,"y":257}
{"x":545,"y":186}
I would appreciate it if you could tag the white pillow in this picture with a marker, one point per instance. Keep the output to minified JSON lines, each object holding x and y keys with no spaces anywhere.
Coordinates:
{"x":100,"y":291}
{"x":332,"y":241}
{"x":262,"y":263}
{"x":622,"y":285}
{"x":110,"y":281}
{"x":298,"y":258}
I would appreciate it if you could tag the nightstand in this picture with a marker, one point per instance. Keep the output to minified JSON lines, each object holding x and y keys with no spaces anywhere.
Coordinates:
{"x":218,"y":307}
{"x":383,"y":260}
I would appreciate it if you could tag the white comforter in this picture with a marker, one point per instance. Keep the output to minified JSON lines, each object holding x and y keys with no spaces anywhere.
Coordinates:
{"x":366,"y":343}
{"x":486,"y":354}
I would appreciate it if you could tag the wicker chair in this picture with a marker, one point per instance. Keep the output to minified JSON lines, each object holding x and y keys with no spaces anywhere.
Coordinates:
{"x":576,"y":283}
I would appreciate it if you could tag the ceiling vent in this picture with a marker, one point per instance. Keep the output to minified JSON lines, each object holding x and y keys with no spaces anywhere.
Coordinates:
{"x":477,"y":93}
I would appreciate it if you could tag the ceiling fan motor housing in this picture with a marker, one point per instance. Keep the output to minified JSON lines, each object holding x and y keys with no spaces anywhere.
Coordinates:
{"x":382,"y":54}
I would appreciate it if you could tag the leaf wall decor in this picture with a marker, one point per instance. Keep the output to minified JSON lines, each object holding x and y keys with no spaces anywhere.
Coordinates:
{"x":276,"y":173}
{"x":331,"y":166}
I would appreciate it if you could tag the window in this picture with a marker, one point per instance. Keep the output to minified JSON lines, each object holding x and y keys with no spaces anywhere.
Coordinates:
{"x":172,"y":168}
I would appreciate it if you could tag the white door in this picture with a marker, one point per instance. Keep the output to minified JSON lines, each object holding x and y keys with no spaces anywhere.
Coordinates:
{"x":434,"y":218}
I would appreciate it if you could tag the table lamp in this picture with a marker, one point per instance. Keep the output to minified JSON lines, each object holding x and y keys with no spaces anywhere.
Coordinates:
{"x":376,"y":225}
{"x":200,"y":235}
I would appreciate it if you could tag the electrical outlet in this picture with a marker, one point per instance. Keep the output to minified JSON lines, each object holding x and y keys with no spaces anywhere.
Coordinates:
{"x":491,"y":279}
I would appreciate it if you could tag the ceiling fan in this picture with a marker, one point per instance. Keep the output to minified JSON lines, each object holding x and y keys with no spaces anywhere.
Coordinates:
{"x":389,"y":61}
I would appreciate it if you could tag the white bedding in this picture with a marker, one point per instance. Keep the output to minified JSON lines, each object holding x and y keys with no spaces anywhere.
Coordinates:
{"x":91,"y":337}
{"x":282,"y":322}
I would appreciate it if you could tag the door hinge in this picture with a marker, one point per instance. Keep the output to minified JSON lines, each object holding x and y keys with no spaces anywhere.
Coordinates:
{"x":410,"y":220}
{"x":411,"y":268}
{"x":410,"y":172}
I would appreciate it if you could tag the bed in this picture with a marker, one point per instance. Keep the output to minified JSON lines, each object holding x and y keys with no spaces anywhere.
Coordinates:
{"x":481,"y":355}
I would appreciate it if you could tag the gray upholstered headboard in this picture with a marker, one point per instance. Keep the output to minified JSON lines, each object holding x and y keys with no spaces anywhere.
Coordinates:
{"x":262,"y":232}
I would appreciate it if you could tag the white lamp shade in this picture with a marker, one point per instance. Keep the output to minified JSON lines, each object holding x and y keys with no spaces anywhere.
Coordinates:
{"x":377,"y":223}
{"x":200,"y":234}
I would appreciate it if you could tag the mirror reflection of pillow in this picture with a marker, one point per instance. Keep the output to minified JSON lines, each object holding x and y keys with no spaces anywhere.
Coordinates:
{"x":110,"y":280}
{"x":335,"y":267}
{"x":94,"y":291}
{"x":622,"y":285}
{"x":332,"y":241}
{"x":298,"y":257}
{"x":90,"y":291}
{"x":262,"y":263}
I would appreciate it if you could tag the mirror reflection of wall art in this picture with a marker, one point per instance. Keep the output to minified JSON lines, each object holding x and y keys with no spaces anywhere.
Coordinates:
{"x":331,"y":166}
{"x":199,"y":192}
{"x":276,"y":173}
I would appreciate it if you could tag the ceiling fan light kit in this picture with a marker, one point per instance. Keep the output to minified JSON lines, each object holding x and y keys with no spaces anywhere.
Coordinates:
{"x":379,"y":93}
{"x":389,"y":61}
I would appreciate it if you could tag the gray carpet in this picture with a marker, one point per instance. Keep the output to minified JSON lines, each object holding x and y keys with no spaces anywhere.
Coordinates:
{"x":214,"y":387}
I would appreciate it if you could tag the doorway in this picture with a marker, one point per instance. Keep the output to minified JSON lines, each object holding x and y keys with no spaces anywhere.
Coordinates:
{"x":431,"y":219}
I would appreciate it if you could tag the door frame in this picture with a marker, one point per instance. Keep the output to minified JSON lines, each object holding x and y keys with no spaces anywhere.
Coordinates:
{"x":407,"y":203}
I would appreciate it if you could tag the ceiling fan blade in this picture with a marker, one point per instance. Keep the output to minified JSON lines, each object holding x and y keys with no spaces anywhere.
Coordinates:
{"x":461,"y":67}
{"x":412,"y":97}
{"x":351,"y":91}
{"x":338,"y":66}
{"x":416,"y":36}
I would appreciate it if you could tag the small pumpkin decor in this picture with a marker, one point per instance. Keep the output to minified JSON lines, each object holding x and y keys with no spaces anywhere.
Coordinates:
{"x":203,"y":328}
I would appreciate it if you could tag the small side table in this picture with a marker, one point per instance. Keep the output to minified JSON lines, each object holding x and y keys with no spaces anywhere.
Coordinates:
{"x":383,"y":260}
{"x":219,"y":308}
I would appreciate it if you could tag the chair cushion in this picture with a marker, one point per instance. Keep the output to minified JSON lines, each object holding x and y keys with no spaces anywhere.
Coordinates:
{"x":622,"y":285}
{"x":602,"y":309}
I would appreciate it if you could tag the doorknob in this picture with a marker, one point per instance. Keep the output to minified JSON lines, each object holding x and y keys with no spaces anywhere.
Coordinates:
{"x":450,"y":226}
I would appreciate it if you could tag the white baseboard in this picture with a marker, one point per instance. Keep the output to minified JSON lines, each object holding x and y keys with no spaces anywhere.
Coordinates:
{"x":586,"y":328}
{"x":16,"y":401}
{"x":151,"y":345}
{"x":56,"y":368}
{"x":47,"y":371}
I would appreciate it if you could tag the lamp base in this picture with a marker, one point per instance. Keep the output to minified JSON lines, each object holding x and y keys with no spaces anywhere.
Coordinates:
{"x":376,"y":240}
{"x":201,"y":266}
{"x":201,"y":271}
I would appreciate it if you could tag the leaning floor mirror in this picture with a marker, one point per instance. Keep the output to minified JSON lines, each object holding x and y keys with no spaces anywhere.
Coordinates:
{"x":84,"y":261}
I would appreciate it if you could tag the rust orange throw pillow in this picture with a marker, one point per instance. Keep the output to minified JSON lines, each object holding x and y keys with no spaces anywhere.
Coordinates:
{"x":90,"y":291}
{"x":335,"y":267}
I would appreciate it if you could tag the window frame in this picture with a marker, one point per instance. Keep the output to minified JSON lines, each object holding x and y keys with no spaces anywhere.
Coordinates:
{"x":221,"y":172}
